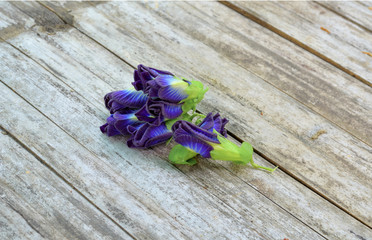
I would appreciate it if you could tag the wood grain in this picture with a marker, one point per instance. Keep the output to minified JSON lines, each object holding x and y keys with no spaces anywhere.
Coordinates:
{"x":143,"y":193}
{"x":332,"y":165}
{"x":69,"y":56}
{"x":13,"y":225}
{"x":301,"y":22}
{"x":321,"y":87}
{"x":352,"y":11}
{"x":36,"y":204}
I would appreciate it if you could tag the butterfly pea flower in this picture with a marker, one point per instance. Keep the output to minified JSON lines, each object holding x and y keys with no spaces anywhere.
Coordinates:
{"x":194,"y":140}
{"x":214,"y":122}
{"x":125,"y":100}
{"x":177,"y":90}
{"x":156,"y":111}
{"x":148,"y":135}
{"x":143,"y":74}
{"x":118,"y":123}
{"x":167,"y":87}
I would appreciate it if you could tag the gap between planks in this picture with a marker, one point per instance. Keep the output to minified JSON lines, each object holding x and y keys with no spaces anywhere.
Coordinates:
{"x":95,"y":155}
{"x":72,"y":25}
{"x":230,"y":133}
{"x":50,"y":167}
{"x":293,"y":40}
{"x":299,"y":180}
{"x":309,"y":106}
{"x":34,"y":60}
{"x":234,"y":136}
{"x":343,"y":16}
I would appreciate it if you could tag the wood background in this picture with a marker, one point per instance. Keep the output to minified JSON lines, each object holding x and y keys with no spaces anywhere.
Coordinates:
{"x":294,"y":79}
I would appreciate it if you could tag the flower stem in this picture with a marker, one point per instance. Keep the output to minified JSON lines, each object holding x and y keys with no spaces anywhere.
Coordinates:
{"x":266,"y":168}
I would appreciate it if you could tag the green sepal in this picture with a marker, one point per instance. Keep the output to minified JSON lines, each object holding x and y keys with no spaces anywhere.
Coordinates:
{"x":187,"y":117}
{"x":228,"y":151}
{"x":169,"y":123}
{"x":167,"y":142}
{"x":195,"y":92}
{"x":182,"y":155}
{"x":199,"y":118}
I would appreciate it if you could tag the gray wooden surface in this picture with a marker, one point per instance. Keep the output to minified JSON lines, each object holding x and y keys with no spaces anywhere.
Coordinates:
{"x":307,"y":110}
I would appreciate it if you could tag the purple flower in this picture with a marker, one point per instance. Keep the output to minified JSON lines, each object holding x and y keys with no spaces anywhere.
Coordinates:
{"x":156,"y":111}
{"x":200,"y":139}
{"x":215,"y":122}
{"x":148,"y":135}
{"x":209,"y":140}
{"x":109,"y":127}
{"x":125,"y":100}
{"x":168,"y":88}
{"x":144,"y":74}
{"x":118,"y":123}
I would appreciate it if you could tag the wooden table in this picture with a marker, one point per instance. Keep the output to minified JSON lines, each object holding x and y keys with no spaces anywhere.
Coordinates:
{"x":294,"y":79}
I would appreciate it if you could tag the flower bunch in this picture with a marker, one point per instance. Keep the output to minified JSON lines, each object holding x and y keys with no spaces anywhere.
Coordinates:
{"x":161,"y":106}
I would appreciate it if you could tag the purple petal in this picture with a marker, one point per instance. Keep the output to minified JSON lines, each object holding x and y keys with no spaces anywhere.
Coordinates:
{"x":214,"y":122}
{"x":171,"y":88}
{"x":195,"y":144}
{"x":117,"y":107}
{"x":220,"y":127}
{"x":109,"y":128}
{"x":127,"y":98}
{"x":208,"y":122}
{"x":148,"y":135}
{"x":112,"y":131}
{"x":104,"y":128}
{"x":158,"y":139}
{"x":161,"y":72}
{"x":152,"y":89}
{"x":172,"y":94}
{"x":156,"y":111}
{"x":195,"y":131}
{"x":144,"y":114}
{"x":171,"y":111}
{"x":167,"y":80}
{"x":122,"y":121}
{"x":137,"y":84}
{"x":143,"y":74}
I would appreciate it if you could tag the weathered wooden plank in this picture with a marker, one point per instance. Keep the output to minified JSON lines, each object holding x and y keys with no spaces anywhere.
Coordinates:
{"x":13,"y":225}
{"x":36,"y":204}
{"x":331,"y":164}
{"x":70,"y":56}
{"x":352,"y":11}
{"x":145,"y":194}
{"x":323,"y":88}
{"x":319,"y":31}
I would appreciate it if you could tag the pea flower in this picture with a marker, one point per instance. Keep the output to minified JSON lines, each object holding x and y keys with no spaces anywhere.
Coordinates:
{"x":158,"y":108}
{"x":207,"y":140}
{"x":156,"y":111}
{"x":125,"y":100}
{"x":144,"y":74}
{"x":148,"y":135}
{"x":215,"y":122}
{"x":118,"y":123}
{"x":176,"y":90}
{"x":163,"y":85}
